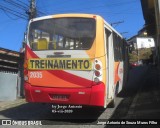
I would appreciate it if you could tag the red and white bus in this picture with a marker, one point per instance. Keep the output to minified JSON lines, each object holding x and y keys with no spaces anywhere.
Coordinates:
{"x":76,"y":59}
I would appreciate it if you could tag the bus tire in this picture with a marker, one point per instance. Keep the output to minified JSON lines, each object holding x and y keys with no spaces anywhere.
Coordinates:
{"x":112,"y":103}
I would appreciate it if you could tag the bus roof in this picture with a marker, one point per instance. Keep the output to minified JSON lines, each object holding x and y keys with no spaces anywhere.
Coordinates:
{"x":65,"y":15}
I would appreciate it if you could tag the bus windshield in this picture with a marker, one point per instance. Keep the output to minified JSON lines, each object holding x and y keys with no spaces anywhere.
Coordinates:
{"x":62,"y":34}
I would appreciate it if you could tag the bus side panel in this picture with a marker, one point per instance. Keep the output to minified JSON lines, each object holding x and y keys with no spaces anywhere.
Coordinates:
{"x":116,"y":69}
{"x":100,"y":55}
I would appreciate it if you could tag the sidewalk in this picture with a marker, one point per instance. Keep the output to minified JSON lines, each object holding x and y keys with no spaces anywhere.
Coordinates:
{"x":146,"y":104}
{"x":9,"y":104}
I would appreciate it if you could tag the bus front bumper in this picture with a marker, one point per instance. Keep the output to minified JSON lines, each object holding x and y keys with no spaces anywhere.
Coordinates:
{"x":93,"y":96}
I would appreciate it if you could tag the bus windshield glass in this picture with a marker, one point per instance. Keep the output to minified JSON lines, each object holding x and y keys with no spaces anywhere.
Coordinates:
{"x":62,"y":34}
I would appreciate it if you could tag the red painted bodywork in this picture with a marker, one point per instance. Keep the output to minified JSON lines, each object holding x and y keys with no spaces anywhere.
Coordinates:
{"x":88,"y":92}
{"x":93,"y":96}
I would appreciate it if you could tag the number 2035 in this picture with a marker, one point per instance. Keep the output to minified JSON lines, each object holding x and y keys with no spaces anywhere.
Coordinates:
{"x":35,"y":74}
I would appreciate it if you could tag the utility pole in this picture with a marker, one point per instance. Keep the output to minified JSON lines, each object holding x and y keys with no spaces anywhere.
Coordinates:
{"x":116,"y":23}
{"x":32,"y":10}
{"x":32,"y":13}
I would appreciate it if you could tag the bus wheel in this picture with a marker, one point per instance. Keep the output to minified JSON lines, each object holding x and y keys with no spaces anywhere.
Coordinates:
{"x":112,"y":103}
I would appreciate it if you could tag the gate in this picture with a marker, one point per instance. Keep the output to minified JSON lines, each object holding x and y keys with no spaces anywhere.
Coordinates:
{"x":8,"y":86}
{"x":11,"y":74}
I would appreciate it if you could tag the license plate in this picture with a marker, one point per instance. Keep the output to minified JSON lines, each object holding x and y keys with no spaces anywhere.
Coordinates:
{"x":60,"y":97}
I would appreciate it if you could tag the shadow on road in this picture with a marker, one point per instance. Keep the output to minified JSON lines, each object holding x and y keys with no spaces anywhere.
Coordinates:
{"x":135,"y":82}
{"x":37,"y":111}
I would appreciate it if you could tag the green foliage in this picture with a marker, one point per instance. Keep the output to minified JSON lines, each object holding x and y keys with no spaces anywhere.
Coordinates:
{"x":145,"y":54}
{"x":133,"y":58}
{"x":140,"y":54}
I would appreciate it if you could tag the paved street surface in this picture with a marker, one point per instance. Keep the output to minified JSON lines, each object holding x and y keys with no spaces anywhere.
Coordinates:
{"x":146,"y":104}
{"x":140,"y":99}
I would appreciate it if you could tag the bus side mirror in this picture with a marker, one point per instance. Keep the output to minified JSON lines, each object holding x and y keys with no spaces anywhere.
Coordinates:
{"x":22,"y":50}
{"x":24,"y":44}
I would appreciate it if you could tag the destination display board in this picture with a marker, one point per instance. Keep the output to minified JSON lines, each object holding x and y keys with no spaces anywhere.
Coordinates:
{"x":60,"y":64}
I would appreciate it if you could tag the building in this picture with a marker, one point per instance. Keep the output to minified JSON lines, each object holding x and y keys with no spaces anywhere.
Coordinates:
{"x":141,"y":42}
{"x":151,"y":14}
{"x":11,"y":76}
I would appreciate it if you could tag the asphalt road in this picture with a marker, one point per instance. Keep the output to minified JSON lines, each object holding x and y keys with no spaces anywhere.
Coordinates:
{"x":85,"y":116}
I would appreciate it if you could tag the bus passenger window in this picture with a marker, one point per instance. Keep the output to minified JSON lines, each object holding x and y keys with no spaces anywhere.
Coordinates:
{"x":66,"y":33}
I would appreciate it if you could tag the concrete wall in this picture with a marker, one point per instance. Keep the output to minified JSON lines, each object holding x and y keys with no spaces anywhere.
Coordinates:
{"x":8,"y":86}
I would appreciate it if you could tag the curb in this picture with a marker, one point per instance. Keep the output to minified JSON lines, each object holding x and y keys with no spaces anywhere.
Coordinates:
{"x":11,"y":104}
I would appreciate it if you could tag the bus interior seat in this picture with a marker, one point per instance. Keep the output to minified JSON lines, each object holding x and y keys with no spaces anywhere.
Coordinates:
{"x":42,"y":44}
{"x":51,"y":45}
{"x":34,"y":45}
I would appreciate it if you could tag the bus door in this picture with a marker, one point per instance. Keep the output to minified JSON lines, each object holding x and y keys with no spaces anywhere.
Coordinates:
{"x":109,"y":64}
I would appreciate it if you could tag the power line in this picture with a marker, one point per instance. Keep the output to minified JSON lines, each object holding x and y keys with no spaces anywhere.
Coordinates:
{"x":40,"y":13}
{"x":15,"y":13}
{"x":15,"y":4}
{"x":122,"y":33}
{"x":117,"y":23}
{"x":6,"y":8}
{"x":20,"y":9}
{"x":23,"y":3}
{"x":7,"y":14}
{"x":14,"y":8}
